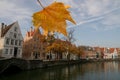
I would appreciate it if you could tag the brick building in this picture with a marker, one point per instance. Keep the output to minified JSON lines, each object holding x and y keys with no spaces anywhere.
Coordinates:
{"x":34,"y":45}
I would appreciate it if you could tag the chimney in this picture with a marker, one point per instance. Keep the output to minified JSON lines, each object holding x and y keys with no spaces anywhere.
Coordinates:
{"x":2,"y":26}
{"x":5,"y":26}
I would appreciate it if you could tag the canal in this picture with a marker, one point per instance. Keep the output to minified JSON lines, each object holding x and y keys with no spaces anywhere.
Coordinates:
{"x":86,"y":71}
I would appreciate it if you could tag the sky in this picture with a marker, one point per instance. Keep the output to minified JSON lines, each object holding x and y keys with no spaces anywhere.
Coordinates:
{"x":98,"y":21}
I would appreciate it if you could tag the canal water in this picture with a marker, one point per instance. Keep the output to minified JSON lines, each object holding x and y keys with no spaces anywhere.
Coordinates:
{"x":86,"y":71}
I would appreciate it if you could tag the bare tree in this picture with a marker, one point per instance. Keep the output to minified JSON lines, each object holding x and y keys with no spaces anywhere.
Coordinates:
{"x":70,"y":36}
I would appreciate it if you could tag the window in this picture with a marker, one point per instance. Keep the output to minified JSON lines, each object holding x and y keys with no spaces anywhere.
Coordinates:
{"x":19,"y":51}
{"x":20,"y":42}
{"x":6,"y":51}
{"x":7,"y":41}
{"x":11,"y":34}
{"x":12,"y":42}
{"x":16,"y":42}
{"x":15,"y":29}
{"x":34,"y":39}
{"x":15,"y":35}
{"x":11,"y":50}
{"x":19,"y":35}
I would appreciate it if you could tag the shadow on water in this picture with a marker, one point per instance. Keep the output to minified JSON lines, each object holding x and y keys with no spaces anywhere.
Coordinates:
{"x":86,"y":71}
{"x":11,"y":70}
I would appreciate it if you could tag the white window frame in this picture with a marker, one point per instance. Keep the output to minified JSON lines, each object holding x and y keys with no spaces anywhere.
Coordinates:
{"x":7,"y":41}
{"x":6,"y":51}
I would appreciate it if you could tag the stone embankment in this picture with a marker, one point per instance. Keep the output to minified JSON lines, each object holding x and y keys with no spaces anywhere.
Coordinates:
{"x":30,"y":64}
{"x":37,"y":64}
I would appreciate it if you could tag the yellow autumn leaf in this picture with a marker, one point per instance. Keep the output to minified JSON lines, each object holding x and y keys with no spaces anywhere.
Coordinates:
{"x":53,"y":18}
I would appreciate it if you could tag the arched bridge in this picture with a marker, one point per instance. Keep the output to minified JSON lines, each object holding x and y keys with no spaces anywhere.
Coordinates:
{"x":19,"y":63}
{"x":6,"y":63}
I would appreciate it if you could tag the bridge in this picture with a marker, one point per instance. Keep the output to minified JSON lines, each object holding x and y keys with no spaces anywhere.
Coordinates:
{"x":20,"y":64}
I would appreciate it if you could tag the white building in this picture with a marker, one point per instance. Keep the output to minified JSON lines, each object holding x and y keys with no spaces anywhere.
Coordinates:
{"x":111,"y":53}
{"x":115,"y":53}
{"x":10,"y":40}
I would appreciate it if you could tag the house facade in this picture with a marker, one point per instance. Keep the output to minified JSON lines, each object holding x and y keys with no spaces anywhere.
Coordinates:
{"x":10,"y":40}
{"x":101,"y":53}
{"x":118,"y":52}
{"x":89,"y":53}
{"x":34,"y":45}
{"x":114,"y":52}
{"x":110,"y":53}
{"x":107,"y":53}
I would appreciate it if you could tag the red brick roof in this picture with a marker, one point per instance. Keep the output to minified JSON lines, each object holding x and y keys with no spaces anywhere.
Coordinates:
{"x":111,"y":50}
{"x":117,"y":49}
{"x":96,"y":48}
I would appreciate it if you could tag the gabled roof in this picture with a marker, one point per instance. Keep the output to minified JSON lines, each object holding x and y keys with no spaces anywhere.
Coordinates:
{"x":117,"y":49}
{"x":6,"y":29}
{"x":102,"y":50}
{"x":112,"y":50}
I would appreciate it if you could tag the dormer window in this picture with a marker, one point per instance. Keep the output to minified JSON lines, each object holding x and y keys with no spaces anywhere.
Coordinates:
{"x":15,"y":29}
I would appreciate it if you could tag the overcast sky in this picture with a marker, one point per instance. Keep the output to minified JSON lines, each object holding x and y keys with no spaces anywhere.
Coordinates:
{"x":98,"y":21}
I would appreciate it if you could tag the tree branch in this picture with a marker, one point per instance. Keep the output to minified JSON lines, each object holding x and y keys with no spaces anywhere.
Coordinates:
{"x":40,"y":3}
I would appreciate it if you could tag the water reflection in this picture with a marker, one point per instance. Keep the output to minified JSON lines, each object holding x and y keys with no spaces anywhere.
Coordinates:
{"x":86,"y":71}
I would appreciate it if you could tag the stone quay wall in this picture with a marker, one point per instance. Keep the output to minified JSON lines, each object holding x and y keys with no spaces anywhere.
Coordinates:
{"x":39,"y":64}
